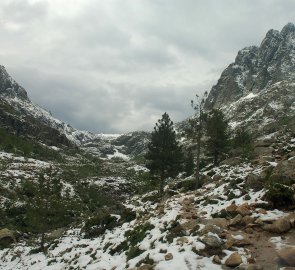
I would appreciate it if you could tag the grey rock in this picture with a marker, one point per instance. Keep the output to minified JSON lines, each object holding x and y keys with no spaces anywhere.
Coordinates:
{"x":212,"y":241}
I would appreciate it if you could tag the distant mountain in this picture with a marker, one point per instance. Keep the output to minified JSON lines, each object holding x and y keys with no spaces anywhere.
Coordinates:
{"x":19,"y":115}
{"x":258,"y":89}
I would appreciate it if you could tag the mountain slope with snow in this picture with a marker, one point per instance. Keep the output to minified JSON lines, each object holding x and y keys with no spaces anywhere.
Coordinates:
{"x":258,"y":89}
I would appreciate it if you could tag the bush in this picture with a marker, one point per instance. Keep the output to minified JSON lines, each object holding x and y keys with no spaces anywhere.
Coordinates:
{"x":98,"y":224}
{"x":136,"y":235}
{"x":280,"y":195}
{"x":127,"y":215}
{"x":133,"y":252}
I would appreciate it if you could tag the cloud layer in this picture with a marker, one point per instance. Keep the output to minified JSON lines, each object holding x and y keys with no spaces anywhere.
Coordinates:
{"x":118,"y":65}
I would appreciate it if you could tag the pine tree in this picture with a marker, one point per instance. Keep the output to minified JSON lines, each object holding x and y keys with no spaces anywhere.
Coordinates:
{"x":189,"y":163}
{"x":242,"y":140}
{"x":164,"y":154}
{"x":217,"y":132}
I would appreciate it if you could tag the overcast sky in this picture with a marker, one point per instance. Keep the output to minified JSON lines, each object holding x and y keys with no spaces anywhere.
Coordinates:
{"x":115,"y":66}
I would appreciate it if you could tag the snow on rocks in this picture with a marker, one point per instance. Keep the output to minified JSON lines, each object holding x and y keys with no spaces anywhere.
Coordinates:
{"x":183,"y":231}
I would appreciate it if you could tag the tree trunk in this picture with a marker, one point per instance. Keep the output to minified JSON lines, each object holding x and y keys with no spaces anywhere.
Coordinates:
{"x":215,"y":158}
{"x":161,"y":189}
{"x":198,"y":159}
{"x":42,"y":241}
{"x":199,"y":136}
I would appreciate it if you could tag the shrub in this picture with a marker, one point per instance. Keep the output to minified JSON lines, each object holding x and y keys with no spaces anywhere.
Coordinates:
{"x":133,"y":252}
{"x":98,"y":224}
{"x":136,"y":235}
{"x":280,"y":195}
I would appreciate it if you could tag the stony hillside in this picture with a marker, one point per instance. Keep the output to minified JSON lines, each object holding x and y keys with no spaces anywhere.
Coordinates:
{"x":229,"y":222}
{"x":257,"y":90}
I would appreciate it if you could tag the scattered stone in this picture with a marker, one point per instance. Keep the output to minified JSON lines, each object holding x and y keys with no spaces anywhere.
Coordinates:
{"x":244,"y":209}
{"x":251,"y":260}
{"x":211,"y":228}
{"x":216,"y":177}
{"x":212,"y":241}
{"x":168,"y":257}
{"x":229,"y":241}
{"x":287,"y":257}
{"x":247,"y":220}
{"x":191,"y":225}
{"x":163,"y":251}
{"x":145,"y":267}
{"x":182,"y":240}
{"x":188,"y":201}
{"x":262,"y":211}
{"x":232,"y":208}
{"x":234,"y":260}
{"x":236,"y":220}
{"x":249,"y":230}
{"x":216,"y":259}
{"x":242,"y":242}
{"x":220,"y":222}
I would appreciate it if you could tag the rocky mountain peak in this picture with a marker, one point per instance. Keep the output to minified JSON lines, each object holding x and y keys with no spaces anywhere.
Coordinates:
{"x":265,"y":73}
{"x":289,"y":28}
{"x":257,"y":67}
{"x":9,"y":87}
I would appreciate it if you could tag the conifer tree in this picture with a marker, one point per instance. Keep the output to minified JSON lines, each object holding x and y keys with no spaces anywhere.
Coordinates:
{"x":164,"y":155}
{"x":243,"y":140}
{"x":189,"y":163}
{"x":218,"y":137}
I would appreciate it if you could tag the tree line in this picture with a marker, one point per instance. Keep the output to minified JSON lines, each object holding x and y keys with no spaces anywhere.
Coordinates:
{"x":208,"y":130}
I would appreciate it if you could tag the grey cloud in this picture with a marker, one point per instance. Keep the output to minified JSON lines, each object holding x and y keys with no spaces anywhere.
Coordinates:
{"x":117,"y":65}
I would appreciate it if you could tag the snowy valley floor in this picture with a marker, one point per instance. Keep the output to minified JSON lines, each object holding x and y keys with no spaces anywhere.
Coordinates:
{"x":215,"y":226}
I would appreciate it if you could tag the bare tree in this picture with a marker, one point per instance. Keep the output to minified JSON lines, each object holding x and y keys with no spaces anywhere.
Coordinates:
{"x":196,"y":128}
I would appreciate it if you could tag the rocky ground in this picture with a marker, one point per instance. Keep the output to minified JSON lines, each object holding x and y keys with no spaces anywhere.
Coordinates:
{"x":226,"y":224}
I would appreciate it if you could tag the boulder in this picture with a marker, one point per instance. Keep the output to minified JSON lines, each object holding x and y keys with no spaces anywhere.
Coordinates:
{"x":284,"y":172}
{"x":287,"y":256}
{"x":281,"y":225}
{"x":262,"y":151}
{"x":6,"y":237}
{"x":233,"y":161}
{"x":234,"y":260}
{"x":254,"y":181}
{"x":264,"y":143}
